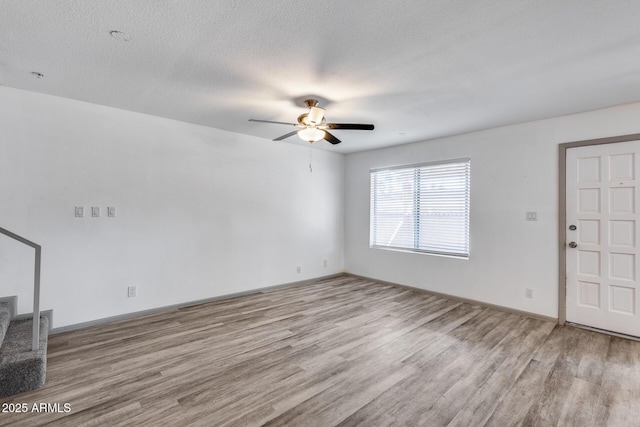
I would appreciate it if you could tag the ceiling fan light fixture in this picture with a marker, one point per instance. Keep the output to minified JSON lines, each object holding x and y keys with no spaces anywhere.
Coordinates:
{"x":315,"y":116}
{"x":313,"y":125}
{"x":311,"y":134}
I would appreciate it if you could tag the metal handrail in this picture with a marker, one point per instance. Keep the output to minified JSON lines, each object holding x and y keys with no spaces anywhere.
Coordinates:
{"x":35,"y":343}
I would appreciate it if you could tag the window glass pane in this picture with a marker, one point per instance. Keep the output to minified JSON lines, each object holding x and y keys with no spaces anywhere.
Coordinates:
{"x":422,"y":207}
{"x":394,"y":209}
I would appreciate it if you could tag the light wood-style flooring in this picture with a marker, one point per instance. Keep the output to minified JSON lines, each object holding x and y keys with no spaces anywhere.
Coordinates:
{"x":342,"y":351}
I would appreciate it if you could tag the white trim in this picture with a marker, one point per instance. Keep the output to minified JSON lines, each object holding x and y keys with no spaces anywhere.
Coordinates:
{"x":420,"y":251}
{"x":184,"y":304}
{"x":418,"y":165}
{"x":462,"y":299}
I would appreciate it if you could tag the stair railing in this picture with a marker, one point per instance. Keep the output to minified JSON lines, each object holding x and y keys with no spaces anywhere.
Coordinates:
{"x":35,"y":343}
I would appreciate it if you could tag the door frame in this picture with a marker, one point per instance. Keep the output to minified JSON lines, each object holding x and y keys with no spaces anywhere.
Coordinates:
{"x":562,"y":208}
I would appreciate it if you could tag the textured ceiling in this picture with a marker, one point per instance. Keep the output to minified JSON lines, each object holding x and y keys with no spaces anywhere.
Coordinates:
{"x":416,"y":69}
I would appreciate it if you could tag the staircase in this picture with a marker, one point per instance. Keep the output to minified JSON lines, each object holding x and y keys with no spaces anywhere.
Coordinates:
{"x":23,"y":341}
{"x":21,"y":368}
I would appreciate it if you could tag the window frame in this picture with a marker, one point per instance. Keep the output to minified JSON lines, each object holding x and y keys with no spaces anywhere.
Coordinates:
{"x":416,"y":193}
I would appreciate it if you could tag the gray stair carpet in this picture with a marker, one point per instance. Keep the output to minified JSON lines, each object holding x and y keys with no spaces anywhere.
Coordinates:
{"x":22,"y":369}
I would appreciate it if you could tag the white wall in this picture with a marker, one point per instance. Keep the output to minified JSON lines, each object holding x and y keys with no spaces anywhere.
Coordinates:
{"x":513,"y":170}
{"x":204,"y":212}
{"x":200,"y":212}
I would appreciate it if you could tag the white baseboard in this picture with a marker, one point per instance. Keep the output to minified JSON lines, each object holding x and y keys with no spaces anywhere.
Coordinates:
{"x":181,"y":305}
{"x":467,"y":300}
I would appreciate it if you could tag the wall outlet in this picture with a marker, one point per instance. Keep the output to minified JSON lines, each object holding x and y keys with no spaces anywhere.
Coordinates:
{"x":528,"y":293}
{"x":324,"y":263}
{"x":532,"y":216}
{"x":131,"y":291}
{"x":299,"y":269}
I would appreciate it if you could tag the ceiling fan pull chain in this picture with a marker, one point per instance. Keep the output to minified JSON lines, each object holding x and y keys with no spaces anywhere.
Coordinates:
{"x":310,"y":168}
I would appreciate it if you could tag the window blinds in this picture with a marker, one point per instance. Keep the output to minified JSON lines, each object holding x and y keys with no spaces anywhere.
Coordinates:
{"x":422,"y":208}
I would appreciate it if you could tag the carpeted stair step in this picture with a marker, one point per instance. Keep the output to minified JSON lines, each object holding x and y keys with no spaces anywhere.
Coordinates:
{"x":22,"y":369}
{"x":5,"y":319}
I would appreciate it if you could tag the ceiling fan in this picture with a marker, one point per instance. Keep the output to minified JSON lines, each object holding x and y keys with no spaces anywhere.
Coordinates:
{"x":313,"y":126}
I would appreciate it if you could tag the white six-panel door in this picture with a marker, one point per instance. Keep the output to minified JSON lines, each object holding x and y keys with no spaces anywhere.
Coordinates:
{"x":602,"y":268}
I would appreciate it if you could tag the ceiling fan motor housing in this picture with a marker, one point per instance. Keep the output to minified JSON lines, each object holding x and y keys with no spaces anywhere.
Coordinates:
{"x":310,"y":103}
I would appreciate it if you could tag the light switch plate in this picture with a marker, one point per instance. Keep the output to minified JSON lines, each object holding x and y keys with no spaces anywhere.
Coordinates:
{"x":111,"y":211}
{"x":79,"y":211}
{"x":95,"y":211}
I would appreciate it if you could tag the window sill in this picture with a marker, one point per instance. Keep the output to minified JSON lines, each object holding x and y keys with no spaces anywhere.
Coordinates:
{"x":421,"y":252}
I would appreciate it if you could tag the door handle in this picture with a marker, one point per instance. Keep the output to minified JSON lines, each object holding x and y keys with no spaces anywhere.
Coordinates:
{"x":573,"y":245}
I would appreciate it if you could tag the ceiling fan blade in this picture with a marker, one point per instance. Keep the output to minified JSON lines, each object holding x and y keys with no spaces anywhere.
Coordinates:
{"x":280,"y":138}
{"x":270,"y":121}
{"x":349,"y":126}
{"x":332,"y":139}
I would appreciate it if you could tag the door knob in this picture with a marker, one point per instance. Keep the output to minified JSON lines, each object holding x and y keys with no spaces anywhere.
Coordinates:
{"x":573,"y":245}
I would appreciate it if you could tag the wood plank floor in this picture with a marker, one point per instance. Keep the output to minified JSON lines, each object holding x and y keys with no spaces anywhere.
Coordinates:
{"x":343,"y":351}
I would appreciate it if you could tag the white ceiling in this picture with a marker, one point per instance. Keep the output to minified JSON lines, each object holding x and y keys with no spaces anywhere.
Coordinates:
{"x":416,"y":69}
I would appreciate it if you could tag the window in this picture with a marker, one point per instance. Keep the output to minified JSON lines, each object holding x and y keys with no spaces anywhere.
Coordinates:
{"x":422,"y":208}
